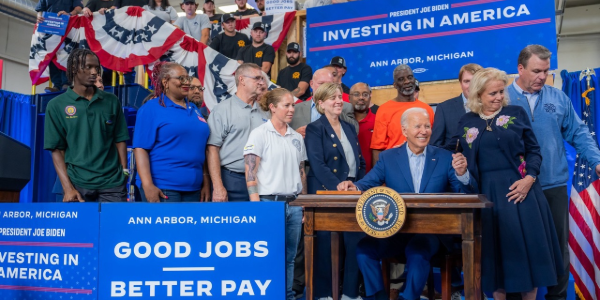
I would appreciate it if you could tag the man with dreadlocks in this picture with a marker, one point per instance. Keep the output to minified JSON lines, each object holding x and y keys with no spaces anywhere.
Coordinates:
{"x":86,"y":131}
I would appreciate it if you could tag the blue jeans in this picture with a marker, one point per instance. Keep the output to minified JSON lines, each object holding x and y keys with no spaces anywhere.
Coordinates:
{"x":293,"y":227}
{"x":57,"y":76}
{"x":235,"y":184}
{"x":175,"y":196}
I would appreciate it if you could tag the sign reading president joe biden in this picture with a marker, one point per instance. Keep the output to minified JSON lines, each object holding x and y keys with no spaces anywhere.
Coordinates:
{"x":434,"y":37}
{"x":192,"y":250}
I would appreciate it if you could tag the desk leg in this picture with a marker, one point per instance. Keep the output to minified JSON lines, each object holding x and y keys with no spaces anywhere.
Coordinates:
{"x":309,"y":242}
{"x":335,"y":264}
{"x":471,"y":250}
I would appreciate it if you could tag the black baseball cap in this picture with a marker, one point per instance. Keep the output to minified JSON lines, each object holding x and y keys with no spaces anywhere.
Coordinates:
{"x":338,"y":61}
{"x":258,"y":25}
{"x":188,"y":1}
{"x":227,"y":17}
{"x":293,"y":46}
{"x":206,"y":1}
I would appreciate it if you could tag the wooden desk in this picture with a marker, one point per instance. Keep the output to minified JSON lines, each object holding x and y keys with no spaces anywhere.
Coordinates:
{"x":426,"y":213}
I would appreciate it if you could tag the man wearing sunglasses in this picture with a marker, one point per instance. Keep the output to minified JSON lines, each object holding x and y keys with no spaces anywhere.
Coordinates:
{"x":196,"y":96}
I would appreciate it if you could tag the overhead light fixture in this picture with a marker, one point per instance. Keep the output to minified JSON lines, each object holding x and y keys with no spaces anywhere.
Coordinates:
{"x":232,"y":8}
{"x":182,"y":14}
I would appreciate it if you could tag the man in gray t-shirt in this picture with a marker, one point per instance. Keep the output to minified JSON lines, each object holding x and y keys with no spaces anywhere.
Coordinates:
{"x":230,"y":123}
{"x":198,"y":26}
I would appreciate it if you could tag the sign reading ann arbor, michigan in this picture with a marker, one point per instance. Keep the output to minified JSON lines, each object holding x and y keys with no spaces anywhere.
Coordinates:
{"x":192,"y":250}
{"x":49,"y":251}
{"x":380,"y":212}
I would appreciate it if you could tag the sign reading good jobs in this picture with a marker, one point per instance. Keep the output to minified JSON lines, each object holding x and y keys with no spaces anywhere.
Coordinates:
{"x":49,"y":251}
{"x":434,"y":37}
{"x":198,"y":250}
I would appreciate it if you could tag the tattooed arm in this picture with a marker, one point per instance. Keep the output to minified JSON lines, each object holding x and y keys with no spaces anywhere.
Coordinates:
{"x":301,"y":89}
{"x":303,"y":178}
{"x":251,"y":161}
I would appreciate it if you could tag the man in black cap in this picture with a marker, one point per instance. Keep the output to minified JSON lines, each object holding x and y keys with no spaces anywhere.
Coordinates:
{"x":340,"y":65}
{"x":297,"y":75}
{"x":209,"y":10}
{"x":244,"y":12}
{"x":258,"y":52}
{"x":229,"y":42}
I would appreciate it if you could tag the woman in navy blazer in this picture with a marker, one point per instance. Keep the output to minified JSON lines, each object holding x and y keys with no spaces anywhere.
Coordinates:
{"x":334,"y":156}
{"x":520,"y":250}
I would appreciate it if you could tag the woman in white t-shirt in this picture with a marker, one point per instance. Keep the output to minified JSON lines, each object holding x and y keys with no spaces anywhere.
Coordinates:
{"x":274,"y":157}
{"x":162,"y":9}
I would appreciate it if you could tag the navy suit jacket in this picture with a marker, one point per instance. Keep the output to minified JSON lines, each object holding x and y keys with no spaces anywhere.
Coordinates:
{"x":447,"y":115}
{"x":393,"y":169}
{"x":328,"y":164}
{"x":515,"y":140}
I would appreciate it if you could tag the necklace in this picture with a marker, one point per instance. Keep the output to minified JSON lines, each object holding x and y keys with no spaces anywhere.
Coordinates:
{"x":490,"y":118}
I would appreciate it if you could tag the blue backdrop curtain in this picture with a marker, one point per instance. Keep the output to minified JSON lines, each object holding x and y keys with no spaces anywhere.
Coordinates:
{"x":18,"y":120}
{"x":574,"y":87}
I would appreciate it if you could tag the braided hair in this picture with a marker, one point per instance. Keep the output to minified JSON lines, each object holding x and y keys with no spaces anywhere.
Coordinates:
{"x":161,"y":71}
{"x":76,"y":62}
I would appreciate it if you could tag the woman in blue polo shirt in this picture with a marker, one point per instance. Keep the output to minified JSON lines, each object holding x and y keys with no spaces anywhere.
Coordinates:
{"x":170,"y":141}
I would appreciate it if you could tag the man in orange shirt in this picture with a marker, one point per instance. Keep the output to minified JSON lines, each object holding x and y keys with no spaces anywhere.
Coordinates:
{"x":387,"y":132}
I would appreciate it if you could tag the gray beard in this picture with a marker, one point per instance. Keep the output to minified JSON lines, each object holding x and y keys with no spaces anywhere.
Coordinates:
{"x":408,"y":93}
{"x":360,"y":107}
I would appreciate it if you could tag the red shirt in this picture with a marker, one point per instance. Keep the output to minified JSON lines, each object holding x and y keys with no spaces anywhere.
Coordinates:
{"x":365,"y":134}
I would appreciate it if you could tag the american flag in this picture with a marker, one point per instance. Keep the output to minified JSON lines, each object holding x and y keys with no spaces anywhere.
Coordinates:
{"x":584,"y":222}
{"x":129,"y":36}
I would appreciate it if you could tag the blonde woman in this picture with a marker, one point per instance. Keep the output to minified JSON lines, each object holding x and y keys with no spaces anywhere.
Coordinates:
{"x":520,"y":250}
{"x":334,"y":156}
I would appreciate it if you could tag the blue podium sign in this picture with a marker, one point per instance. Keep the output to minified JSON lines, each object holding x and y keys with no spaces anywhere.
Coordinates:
{"x":53,"y":24}
{"x":192,"y":250}
{"x":49,"y":251}
{"x":434,"y":37}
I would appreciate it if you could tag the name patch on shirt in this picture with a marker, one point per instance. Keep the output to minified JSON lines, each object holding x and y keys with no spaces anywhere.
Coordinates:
{"x":296,"y":144}
{"x":71,"y":111}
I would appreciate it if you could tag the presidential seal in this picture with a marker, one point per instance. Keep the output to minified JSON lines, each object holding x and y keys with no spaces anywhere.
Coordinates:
{"x":380,"y":212}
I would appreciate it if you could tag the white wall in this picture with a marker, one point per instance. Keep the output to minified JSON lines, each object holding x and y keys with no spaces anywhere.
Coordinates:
{"x":578,"y":53}
{"x":15,"y":41}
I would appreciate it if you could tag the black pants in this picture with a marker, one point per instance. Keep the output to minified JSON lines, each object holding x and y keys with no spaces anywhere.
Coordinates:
{"x":559,"y":206}
{"x":116,"y":194}
{"x":299,"y":267}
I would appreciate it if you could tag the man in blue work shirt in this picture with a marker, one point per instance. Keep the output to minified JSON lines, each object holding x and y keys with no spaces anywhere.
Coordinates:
{"x":60,"y":7}
{"x":553,"y":120}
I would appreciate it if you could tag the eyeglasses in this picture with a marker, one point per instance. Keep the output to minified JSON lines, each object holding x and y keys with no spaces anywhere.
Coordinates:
{"x":258,"y":78}
{"x":184,"y":79}
{"x":357,"y":94}
{"x":199,"y":87}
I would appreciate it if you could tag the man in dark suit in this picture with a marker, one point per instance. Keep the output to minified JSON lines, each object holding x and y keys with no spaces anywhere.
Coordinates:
{"x":448,"y":113}
{"x":414,"y":167}
{"x":306,"y":112}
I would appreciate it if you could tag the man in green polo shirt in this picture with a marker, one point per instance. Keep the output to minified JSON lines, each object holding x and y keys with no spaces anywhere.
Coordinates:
{"x":86,"y":131}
